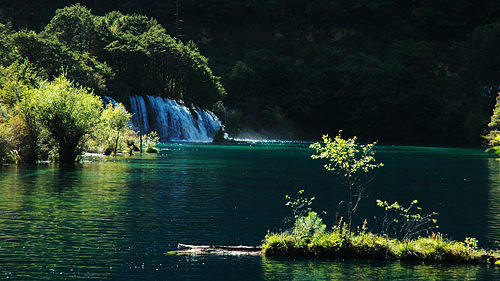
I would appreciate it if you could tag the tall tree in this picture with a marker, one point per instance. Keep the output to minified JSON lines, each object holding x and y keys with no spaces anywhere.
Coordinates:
{"x":51,"y":58}
{"x":74,"y":26}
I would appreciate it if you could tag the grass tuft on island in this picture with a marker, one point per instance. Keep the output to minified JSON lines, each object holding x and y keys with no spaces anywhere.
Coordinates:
{"x":342,"y":244}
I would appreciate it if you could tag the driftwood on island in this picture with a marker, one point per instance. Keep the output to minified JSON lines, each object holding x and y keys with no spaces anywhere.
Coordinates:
{"x":187,"y":249}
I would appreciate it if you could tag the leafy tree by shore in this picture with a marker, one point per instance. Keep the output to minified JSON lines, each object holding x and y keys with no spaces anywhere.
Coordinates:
{"x":70,"y":114}
{"x":55,"y":120}
{"x":21,"y":130}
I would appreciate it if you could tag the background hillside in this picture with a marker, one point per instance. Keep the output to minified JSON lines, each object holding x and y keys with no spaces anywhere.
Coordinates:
{"x":387,"y":70}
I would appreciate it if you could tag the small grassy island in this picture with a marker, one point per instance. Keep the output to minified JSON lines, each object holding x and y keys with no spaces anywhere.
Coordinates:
{"x":341,"y":244}
{"x":406,"y":235}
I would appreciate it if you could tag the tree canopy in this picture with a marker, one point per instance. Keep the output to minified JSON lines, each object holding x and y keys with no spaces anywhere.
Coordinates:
{"x":144,"y":59}
{"x":393,"y":71}
{"x":117,"y":55}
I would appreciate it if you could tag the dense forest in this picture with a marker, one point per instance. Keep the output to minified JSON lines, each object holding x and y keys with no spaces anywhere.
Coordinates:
{"x":390,"y":70}
{"x":54,"y":84}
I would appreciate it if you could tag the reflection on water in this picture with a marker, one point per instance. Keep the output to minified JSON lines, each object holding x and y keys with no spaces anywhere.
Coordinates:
{"x":493,"y":211}
{"x":56,"y":219}
{"x":117,"y":219}
{"x":323,"y":269}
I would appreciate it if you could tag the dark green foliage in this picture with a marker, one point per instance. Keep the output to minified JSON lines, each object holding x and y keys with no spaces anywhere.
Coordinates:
{"x":393,"y":71}
{"x":75,"y":27}
{"x":261,"y":87}
{"x":482,"y":60}
{"x":115,"y":54}
{"x":144,"y":58}
{"x":151,"y":150}
{"x":46,"y":107}
{"x":331,"y":89}
{"x":52,"y":58}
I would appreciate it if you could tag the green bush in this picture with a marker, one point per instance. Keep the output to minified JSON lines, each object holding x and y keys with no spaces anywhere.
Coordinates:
{"x":150,"y":141}
{"x":309,"y":226}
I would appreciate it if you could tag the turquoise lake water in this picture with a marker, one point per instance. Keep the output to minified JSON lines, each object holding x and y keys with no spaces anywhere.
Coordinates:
{"x":117,"y":218}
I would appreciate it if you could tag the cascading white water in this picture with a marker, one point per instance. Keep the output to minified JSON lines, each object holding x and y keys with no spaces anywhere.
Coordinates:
{"x":173,"y":120}
{"x":139,"y":114}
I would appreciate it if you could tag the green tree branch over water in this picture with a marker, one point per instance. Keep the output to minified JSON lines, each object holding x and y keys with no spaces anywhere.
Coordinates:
{"x":351,"y":162}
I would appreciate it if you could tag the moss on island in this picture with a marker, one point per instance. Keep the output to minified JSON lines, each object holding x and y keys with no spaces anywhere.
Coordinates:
{"x":342,"y":244}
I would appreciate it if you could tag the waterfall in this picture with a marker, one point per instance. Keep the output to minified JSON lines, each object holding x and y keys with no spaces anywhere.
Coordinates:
{"x":139,"y":114}
{"x":173,"y":120}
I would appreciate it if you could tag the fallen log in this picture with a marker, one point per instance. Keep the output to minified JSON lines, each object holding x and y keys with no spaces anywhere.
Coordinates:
{"x":186,"y":249}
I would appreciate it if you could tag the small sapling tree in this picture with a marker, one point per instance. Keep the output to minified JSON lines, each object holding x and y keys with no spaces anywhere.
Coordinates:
{"x":299,"y":206}
{"x":116,"y":130}
{"x":407,"y":223}
{"x":350,"y":161}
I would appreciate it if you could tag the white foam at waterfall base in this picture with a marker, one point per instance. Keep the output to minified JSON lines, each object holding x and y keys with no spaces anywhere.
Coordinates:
{"x":176,"y":122}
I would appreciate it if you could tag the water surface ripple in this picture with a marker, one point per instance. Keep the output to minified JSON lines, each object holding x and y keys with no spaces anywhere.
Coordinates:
{"x":117,"y":218}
